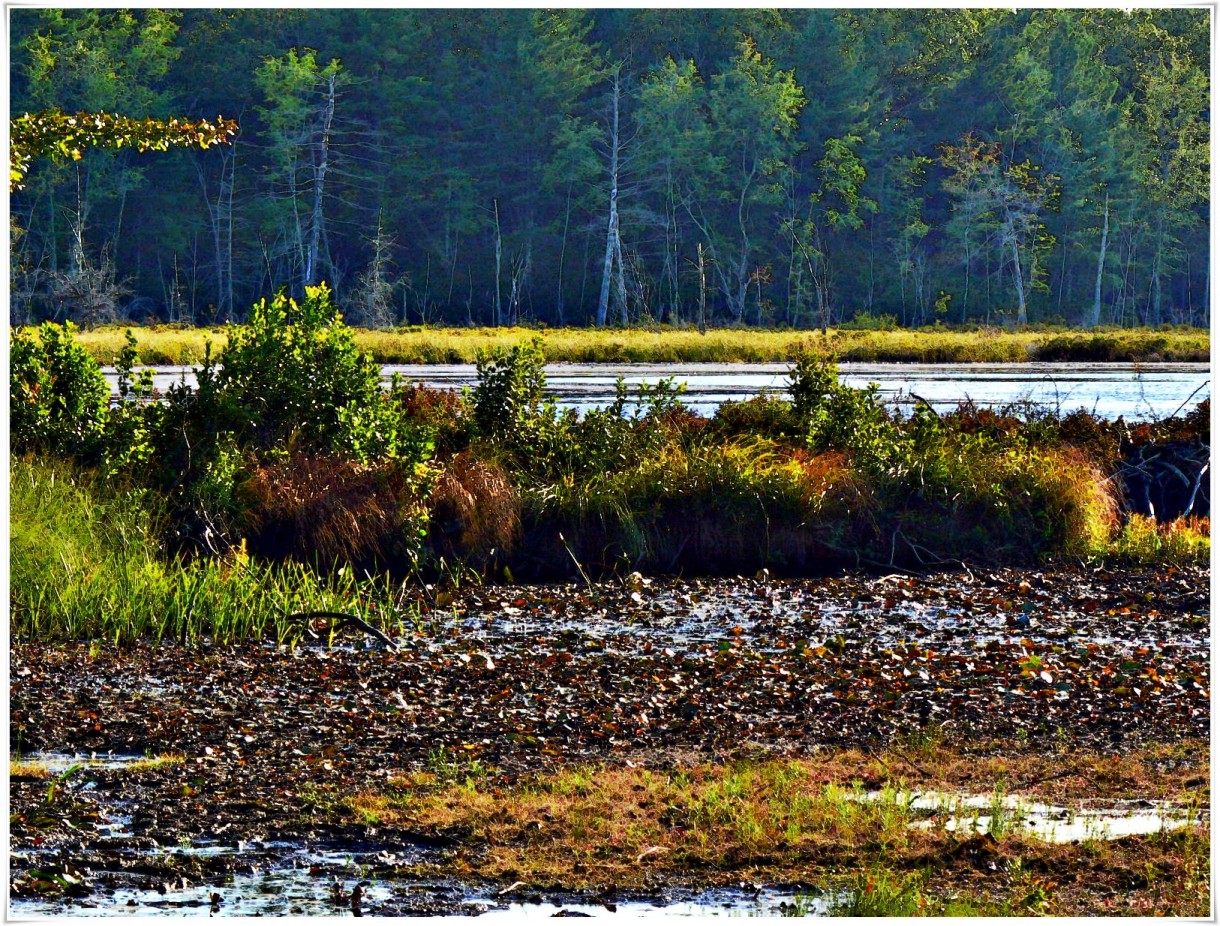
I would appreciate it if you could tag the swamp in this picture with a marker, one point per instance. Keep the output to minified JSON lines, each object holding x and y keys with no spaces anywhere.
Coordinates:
{"x":388,"y":649}
{"x":612,"y":462}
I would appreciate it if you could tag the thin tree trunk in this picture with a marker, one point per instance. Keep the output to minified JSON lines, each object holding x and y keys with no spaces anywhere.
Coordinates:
{"x":499,"y":256}
{"x":563,"y":248}
{"x":1094,"y":318}
{"x":1154,"y":315}
{"x":613,"y":244}
{"x":702,"y":291}
{"x":1019,"y":276}
{"x":319,"y":183}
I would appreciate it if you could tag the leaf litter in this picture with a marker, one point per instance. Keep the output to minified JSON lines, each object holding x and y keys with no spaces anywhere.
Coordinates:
{"x":523,"y":679}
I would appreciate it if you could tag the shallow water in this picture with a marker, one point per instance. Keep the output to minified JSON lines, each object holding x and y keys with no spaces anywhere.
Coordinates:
{"x":772,"y":616}
{"x":1136,"y":391}
{"x":1009,"y":813}
{"x":59,"y":762}
{"x":296,"y":881}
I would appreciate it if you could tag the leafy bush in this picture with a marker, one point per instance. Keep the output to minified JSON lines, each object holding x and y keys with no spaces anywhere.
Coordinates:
{"x":292,"y":377}
{"x":762,"y":415}
{"x":445,"y":413}
{"x":509,"y":405}
{"x":837,"y":417}
{"x":58,"y":397}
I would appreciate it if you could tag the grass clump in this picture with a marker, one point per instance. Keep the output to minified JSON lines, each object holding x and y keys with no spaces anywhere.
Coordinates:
{"x":1185,"y":541}
{"x":88,"y":560}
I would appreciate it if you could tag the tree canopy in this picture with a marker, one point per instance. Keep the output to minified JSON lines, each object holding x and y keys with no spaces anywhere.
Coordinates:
{"x":777,"y":167}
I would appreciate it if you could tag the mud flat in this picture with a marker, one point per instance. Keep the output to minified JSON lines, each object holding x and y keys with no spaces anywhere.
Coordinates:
{"x":640,"y":743}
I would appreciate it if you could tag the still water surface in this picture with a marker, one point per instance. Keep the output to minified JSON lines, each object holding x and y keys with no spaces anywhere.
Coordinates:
{"x":1135,"y":391}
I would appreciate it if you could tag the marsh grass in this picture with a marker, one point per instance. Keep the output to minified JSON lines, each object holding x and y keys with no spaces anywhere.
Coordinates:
{"x":782,"y":820}
{"x":744,"y":813}
{"x":751,"y":503}
{"x":168,"y":345}
{"x":1142,"y":540}
{"x":87,"y":563}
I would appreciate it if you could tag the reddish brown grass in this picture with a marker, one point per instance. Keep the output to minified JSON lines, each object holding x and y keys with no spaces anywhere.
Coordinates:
{"x":475,"y":511}
{"x":324,"y":510}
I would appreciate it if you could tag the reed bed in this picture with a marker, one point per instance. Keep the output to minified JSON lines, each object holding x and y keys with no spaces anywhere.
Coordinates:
{"x":87,"y":563}
{"x":438,"y":345}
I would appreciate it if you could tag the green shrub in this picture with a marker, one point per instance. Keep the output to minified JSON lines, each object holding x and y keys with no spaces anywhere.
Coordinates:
{"x":763,"y":415}
{"x":509,"y":404}
{"x":838,"y":417}
{"x":58,"y":397}
{"x":292,"y":377}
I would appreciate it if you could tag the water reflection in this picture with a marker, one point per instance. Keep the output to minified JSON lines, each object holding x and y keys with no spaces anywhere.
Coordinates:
{"x":1136,"y":391}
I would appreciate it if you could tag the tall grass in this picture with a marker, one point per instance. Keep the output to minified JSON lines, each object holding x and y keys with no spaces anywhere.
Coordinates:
{"x":641,"y":345}
{"x":754,"y":502}
{"x":1185,"y":541}
{"x":86,"y":562}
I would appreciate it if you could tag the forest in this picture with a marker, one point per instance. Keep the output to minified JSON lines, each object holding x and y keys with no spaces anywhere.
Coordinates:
{"x":780,"y":168}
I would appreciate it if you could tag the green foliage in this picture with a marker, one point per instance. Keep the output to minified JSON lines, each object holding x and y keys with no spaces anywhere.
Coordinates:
{"x":837,"y":417}
{"x":750,"y":134}
{"x":509,"y":404}
{"x":130,"y":425}
{"x":58,"y":398}
{"x":293,"y":378}
{"x":55,"y":134}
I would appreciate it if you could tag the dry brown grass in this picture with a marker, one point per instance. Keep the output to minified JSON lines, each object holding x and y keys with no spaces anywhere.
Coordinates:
{"x":475,"y":511}
{"x":320,"y":509}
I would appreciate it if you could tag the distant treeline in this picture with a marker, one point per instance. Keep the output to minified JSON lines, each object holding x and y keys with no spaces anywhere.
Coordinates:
{"x":764,"y":167}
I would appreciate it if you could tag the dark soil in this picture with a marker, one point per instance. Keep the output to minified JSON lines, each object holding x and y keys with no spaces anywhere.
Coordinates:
{"x":524,"y":679}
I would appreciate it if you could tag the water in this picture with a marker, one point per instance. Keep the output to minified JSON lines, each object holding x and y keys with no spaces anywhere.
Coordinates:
{"x":1136,"y":391}
{"x":303,"y":882}
{"x":1011,"y":814}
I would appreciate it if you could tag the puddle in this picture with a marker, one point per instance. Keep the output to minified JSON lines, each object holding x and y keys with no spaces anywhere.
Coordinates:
{"x":768,"y":902}
{"x":324,"y":887}
{"x":272,"y":879}
{"x":59,"y":762}
{"x":1010,"y":814}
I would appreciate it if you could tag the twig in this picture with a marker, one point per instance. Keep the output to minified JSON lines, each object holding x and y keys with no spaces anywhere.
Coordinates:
{"x":1201,"y":385}
{"x":349,"y":618}
{"x":911,"y":762}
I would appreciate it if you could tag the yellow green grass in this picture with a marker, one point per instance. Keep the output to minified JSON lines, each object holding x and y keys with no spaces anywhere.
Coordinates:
{"x":434,"y":345}
{"x":86,"y":562}
{"x":786,"y":820}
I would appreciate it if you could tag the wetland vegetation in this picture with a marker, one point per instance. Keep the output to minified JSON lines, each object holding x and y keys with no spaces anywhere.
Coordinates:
{"x":285,"y":587}
{"x":177,"y":346}
{"x":284,"y":640}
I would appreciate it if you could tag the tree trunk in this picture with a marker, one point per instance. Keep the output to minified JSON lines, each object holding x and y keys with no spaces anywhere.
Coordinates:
{"x":702,"y":291}
{"x":319,"y":183}
{"x":614,"y":247}
{"x":499,"y":256}
{"x":563,"y":248}
{"x":1154,"y":309}
{"x":1019,"y":276}
{"x":1094,"y":318}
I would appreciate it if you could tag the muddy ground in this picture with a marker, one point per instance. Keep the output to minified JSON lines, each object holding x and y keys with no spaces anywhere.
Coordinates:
{"x":513,"y":681}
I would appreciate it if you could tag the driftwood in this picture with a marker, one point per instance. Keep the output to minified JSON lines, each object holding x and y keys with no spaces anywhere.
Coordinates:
{"x":346,"y":618}
{"x":1167,"y":481}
